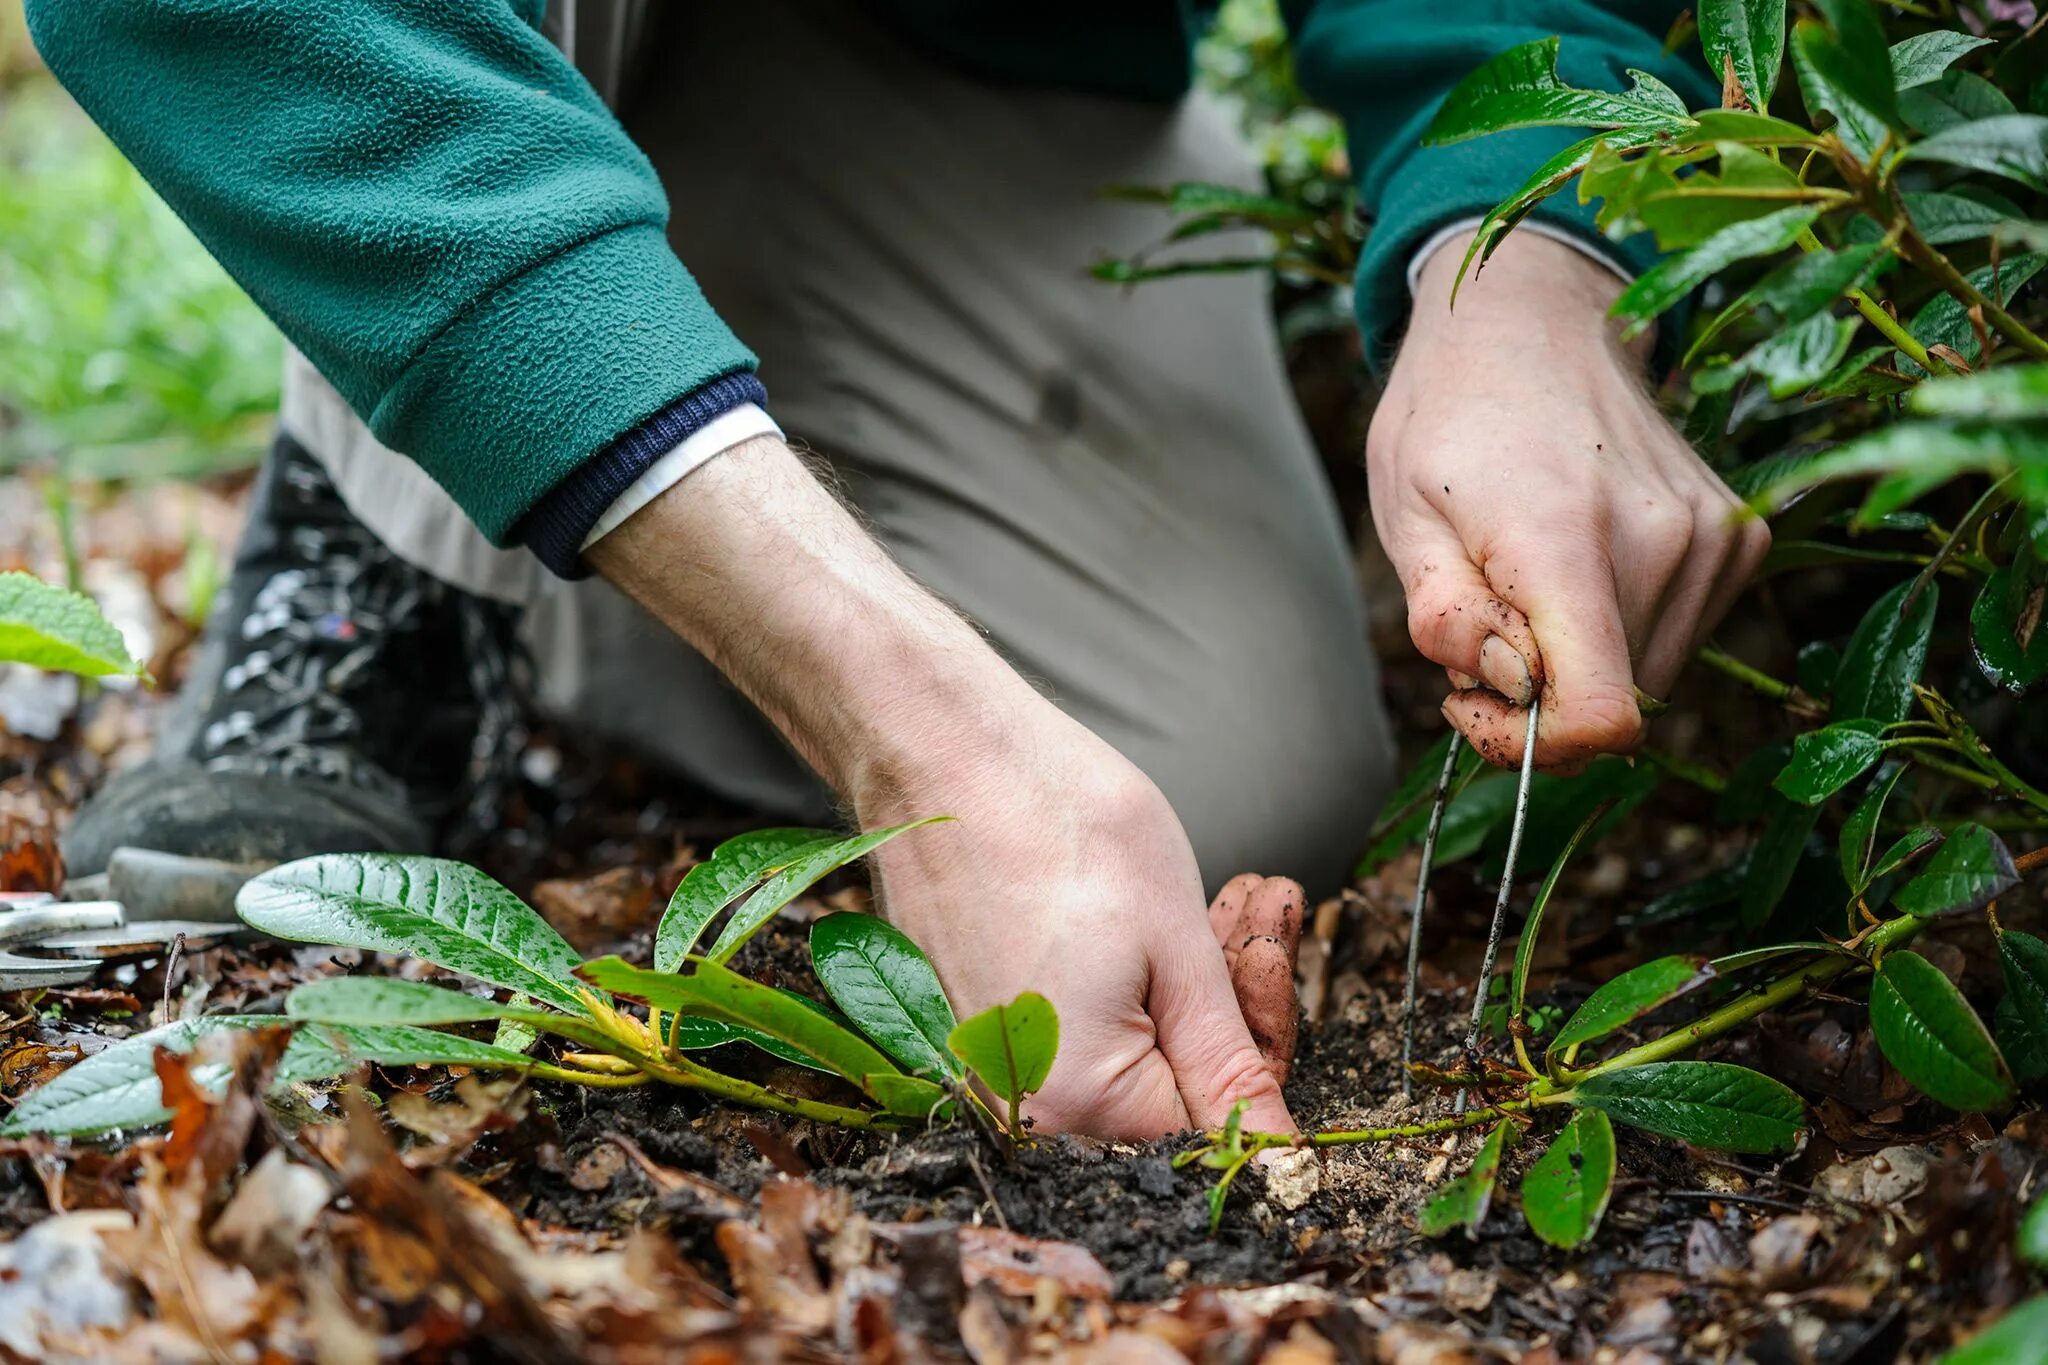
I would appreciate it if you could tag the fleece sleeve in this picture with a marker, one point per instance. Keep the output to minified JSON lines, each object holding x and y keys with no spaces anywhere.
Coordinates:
{"x":1384,"y":66}
{"x":438,"y":211}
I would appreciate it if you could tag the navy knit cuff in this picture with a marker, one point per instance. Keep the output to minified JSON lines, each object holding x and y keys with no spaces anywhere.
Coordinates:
{"x":555,"y":527}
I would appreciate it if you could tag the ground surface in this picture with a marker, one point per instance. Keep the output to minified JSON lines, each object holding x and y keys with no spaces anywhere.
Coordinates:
{"x":486,"y":1219}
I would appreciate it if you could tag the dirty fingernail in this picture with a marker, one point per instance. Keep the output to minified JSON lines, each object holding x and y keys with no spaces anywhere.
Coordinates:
{"x":1505,"y":671}
{"x":1464,"y":682}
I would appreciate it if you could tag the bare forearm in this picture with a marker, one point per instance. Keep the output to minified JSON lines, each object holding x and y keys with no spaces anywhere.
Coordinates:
{"x":760,"y":568}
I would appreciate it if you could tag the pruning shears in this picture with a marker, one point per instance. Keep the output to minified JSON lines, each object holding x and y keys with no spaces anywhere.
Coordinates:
{"x":143,"y":905}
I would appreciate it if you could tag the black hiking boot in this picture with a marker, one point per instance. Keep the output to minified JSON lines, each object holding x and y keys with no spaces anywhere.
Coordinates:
{"x":341,"y":700}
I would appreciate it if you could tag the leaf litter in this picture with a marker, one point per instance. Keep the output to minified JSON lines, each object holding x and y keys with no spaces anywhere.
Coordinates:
{"x":421,"y":1214}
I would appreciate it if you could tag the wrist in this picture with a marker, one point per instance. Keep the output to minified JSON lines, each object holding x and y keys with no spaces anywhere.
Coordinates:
{"x":1535,"y":294}
{"x":867,"y":674}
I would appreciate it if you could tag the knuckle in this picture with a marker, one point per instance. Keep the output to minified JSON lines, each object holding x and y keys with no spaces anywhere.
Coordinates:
{"x":1242,"y":1074}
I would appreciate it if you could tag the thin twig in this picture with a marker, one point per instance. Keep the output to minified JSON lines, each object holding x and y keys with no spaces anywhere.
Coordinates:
{"x":1436,"y":820}
{"x":989,"y":1191}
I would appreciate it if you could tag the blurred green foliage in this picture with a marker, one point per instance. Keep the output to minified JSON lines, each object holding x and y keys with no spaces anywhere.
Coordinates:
{"x":124,"y":349}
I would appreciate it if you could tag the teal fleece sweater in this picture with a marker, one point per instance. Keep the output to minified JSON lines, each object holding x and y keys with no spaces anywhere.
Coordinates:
{"x":438,"y":211}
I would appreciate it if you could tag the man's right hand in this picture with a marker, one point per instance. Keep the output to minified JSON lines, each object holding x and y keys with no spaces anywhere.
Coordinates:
{"x":1064,"y":871}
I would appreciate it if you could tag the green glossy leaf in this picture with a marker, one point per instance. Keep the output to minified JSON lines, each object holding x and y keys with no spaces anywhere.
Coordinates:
{"x":1206,"y":197}
{"x":387,"y":1000}
{"x":2006,"y":635}
{"x":1885,"y":656}
{"x":2013,"y":146}
{"x":1750,"y":957}
{"x":1773,"y":861}
{"x":319,"y":1051}
{"x":734,"y":868}
{"x":912,"y":1096}
{"x":1520,"y":89}
{"x":2018,"y":1338}
{"x":1903,"y":850}
{"x":2023,"y":1013}
{"x":1789,"y":361}
{"x":714,"y":991}
{"x":1943,"y":219}
{"x":1709,"y":1104}
{"x":803,"y":872}
{"x":1826,"y":760}
{"x":1671,"y":279}
{"x":1925,"y":56}
{"x":116,"y":1088}
{"x":1956,"y":97}
{"x":1859,"y":128}
{"x":1929,"y":1032}
{"x":2022,"y":1043}
{"x":2010,"y":393}
{"x":1010,"y":1047}
{"x":448,"y":913}
{"x":887,"y":988}
{"x":1747,"y":36}
{"x":1972,"y":868}
{"x":1685,"y":210}
{"x":45,"y":626}
{"x":1936,"y":450}
{"x":1464,"y":1202}
{"x":1944,"y":321}
{"x":1565,"y":1194}
{"x":1743,"y":126}
{"x":1801,"y":287}
{"x":1851,"y":56}
{"x":1404,"y":817}
{"x":1628,"y":997}
{"x":1545,"y":181}
{"x":1858,"y":840}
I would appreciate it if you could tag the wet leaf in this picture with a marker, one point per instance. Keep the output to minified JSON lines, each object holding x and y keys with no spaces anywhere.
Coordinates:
{"x":2013,"y":146}
{"x":1850,"y":55}
{"x":1010,"y":1047}
{"x":1858,"y":839}
{"x":319,"y":1051}
{"x":1925,"y":56}
{"x":1885,"y":656}
{"x":2023,"y":1013}
{"x":804,"y":871}
{"x":1930,"y":1033}
{"x":45,"y":626}
{"x":1520,"y":89}
{"x":1749,"y":36}
{"x":117,"y":1087}
{"x":716,"y":992}
{"x":1957,"y":97}
{"x":1630,"y":996}
{"x":1710,"y":1104}
{"x":2004,"y":612}
{"x":1943,"y":218}
{"x":1774,"y":860}
{"x":887,"y":988}
{"x":1972,"y":868}
{"x":1464,"y":1202}
{"x":734,"y":867}
{"x":447,"y":912}
{"x":1826,"y":760}
{"x":1673,"y":278}
{"x":912,"y":1096}
{"x":1565,"y":1193}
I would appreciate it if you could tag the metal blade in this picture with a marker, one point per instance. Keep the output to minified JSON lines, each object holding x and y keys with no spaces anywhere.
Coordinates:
{"x":1507,"y":892}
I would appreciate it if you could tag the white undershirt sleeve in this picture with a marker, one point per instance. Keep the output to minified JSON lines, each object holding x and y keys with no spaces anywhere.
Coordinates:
{"x":1450,"y":231}
{"x":699,"y":448}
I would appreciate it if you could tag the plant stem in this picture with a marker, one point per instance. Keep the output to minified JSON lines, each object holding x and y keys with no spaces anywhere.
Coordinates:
{"x":688,"y":1073}
{"x":1951,"y":279}
{"x":1738,"y":1012}
{"x":1873,"y":313}
{"x":1684,"y":769}
{"x":601,"y":1079}
{"x":1792,"y":697}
